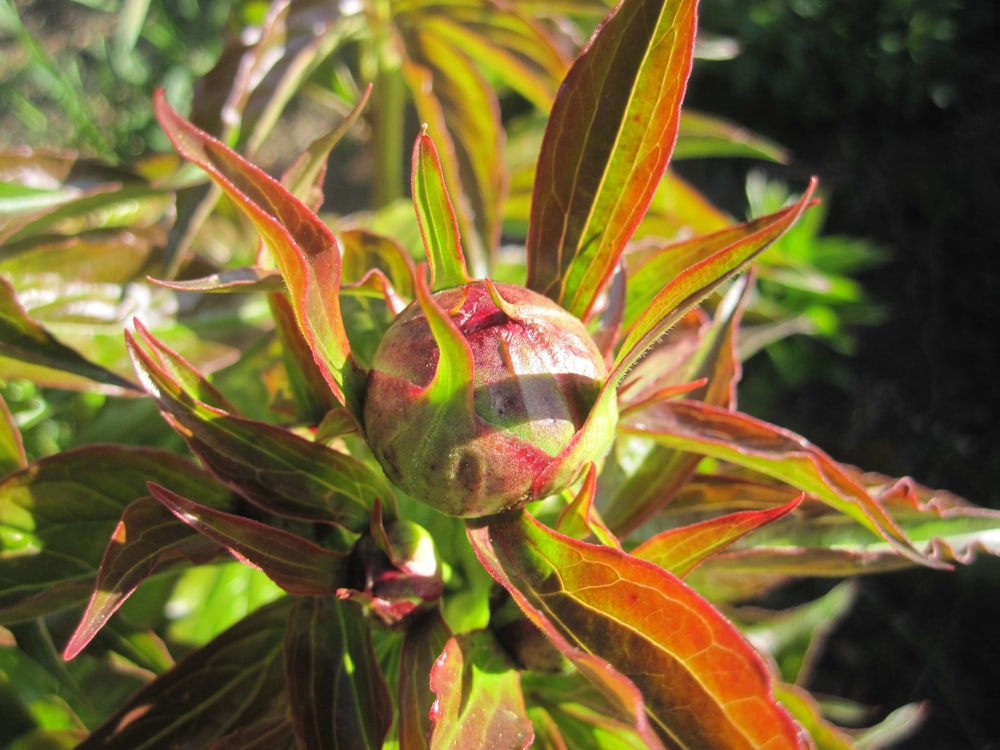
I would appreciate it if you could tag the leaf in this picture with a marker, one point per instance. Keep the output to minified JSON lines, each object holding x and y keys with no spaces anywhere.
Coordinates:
{"x":57,"y":515}
{"x":424,"y":641}
{"x":702,"y":684}
{"x":272,"y":467}
{"x":479,"y":702}
{"x":272,"y":733}
{"x":726,"y":253}
{"x":304,"y":248}
{"x":147,"y":539}
{"x":21,"y":338}
{"x":460,"y":108}
{"x":681,"y":550}
{"x":335,"y":688}
{"x":12,"y":456}
{"x":702,"y":135}
{"x":236,"y":680}
{"x":297,"y":565}
{"x":607,"y":144}
{"x":245,"y":279}
{"x":773,"y":451}
{"x":436,"y":216}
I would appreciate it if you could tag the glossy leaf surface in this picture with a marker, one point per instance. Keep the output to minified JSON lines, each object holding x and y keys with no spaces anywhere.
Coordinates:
{"x":297,"y":565}
{"x":436,"y":216}
{"x":147,"y":539}
{"x":479,"y":702}
{"x":57,"y":515}
{"x":607,"y":144}
{"x":335,"y":689}
{"x":235,"y":680}
{"x":773,"y":451}
{"x":703,"y":684}
{"x":422,"y":645}
{"x":273,"y":468}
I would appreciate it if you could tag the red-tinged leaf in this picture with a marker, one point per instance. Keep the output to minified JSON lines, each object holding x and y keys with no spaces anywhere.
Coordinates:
{"x":272,"y":467}
{"x":579,"y":519}
{"x":503,"y":39}
{"x":234,"y":681}
{"x":694,"y":353}
{"x":337,"y":693}
{"x":436,"y":217}
{"x":24,"y":339}
{"x":57,"y":515}
{"x":681,"y":550}
{"x":724,"y":257}
{"x":272,"y":733}
{"x":461,"y":109}
{"x":423,"y":643}
{"x":365,"y":251}
{"x":809,"y":715}
{"x":479,"y":702}
{"x":12,"y":456}
{"x":246,"y":279}
{"x":147,"y":540}
{"x":702,"y":684}
{"x":774,"y":452}
{"x":304,"y":248}
{"x":297,"y":565}
{"x":607,"y":144}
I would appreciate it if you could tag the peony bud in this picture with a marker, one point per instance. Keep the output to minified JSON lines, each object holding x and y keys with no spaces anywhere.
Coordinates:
{"x":536,"y":375}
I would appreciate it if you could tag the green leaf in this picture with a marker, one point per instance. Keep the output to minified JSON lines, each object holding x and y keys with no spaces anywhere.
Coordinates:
{"x":479,"y":702}
{"x":304,"y":248}
{"x":297,"y":565}
{"x":22,"y":338}
{"x":147,"y":539}
{"x":462,"y":111}
{"x":272,"y":733}
{"x":725,"y":254}
{"x":702,"y":135}
{"x":681,"y":550}
{"x":57,"y":515}
{"x":272,"y":467}
{"x":423,"y":643}
{"x":607,"y":144}
{"x":246,"y":279}
{"x":12,"y":456}
{"x":337,"y":693}
{"x":619,"y":618}
{"x":436,"y":216}
{"x":772,"y":451}
{"x":236,"y":680}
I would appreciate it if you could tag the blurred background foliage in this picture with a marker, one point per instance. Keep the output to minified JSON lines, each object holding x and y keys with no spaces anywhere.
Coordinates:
{"x":892,"y":102}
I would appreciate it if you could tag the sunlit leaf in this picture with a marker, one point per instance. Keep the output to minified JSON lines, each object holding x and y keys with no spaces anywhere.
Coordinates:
{"x":22,"y":338}
{"x":479,"y":702}
{"x":702,"y":135}
{"x":436,"y":216}
{"x":236,"y":680}
{"x":681,"y":550}
{"x":147,"y":539}
{"x":304,"y":247}
{"x":773,"y":451}
{"x":272,"y":467}
{"x":57,"y":515}
{"x":607,"y":144}
{"x":12,"y":456}
{"x":703,"y":685}
{"x":296,"y":564}
{"x":422,"y":645}
{"x":336,"y":691}
{"x":724,"y":256}
{"x":246,"y":279}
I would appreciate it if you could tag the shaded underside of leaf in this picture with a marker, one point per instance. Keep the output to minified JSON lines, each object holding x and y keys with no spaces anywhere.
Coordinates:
{"x":235,"y":680}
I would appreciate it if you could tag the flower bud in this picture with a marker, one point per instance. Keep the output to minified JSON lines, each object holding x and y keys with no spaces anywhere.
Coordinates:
{"x":535,"y":376}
